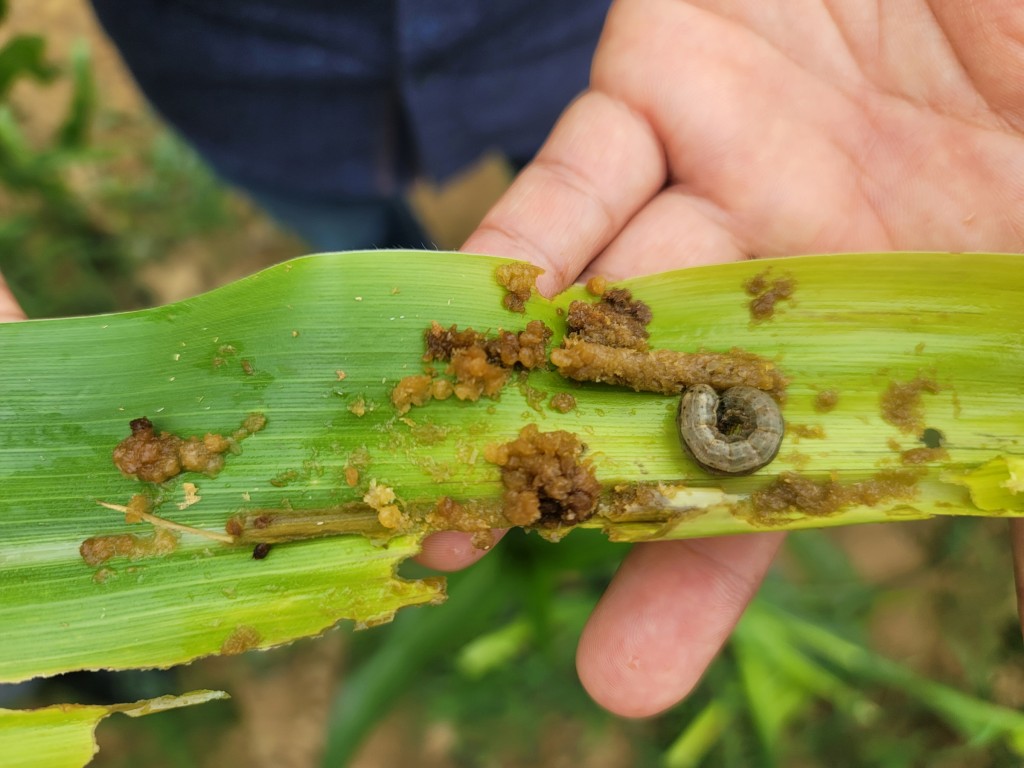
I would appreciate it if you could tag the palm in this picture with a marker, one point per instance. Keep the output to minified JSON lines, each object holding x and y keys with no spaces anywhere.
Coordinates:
{"x":715,"y":131}
{"x":791,"y":133}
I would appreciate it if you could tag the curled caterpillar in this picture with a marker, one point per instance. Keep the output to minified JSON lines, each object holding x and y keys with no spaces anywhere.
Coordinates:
{"x":733,"y":434}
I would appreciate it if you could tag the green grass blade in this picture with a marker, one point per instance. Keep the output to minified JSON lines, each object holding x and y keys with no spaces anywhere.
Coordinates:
{"x":700,"y":736}
{"x":774,"y":699}
{"x":24,"y":56}
{"x":74,"y":131}
{"x":313,"y":342}
{"x":978,"y":721}
{"x":417,"y":641}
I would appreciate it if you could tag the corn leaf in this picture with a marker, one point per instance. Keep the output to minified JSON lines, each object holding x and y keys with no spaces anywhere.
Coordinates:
{"x":63,"y":736}
{"x":317,"y":344}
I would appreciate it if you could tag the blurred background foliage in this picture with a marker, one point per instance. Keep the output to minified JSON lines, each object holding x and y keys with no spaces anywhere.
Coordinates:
{"x":890,"y":646}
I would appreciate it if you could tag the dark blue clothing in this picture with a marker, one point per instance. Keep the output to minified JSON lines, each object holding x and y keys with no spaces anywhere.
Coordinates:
{"x":340,"y":99}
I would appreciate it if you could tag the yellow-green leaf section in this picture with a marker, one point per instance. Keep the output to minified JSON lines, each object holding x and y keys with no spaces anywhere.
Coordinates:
{"x":316,"y":345}
{"x":63,"y":736}
{"x":995,"y":486}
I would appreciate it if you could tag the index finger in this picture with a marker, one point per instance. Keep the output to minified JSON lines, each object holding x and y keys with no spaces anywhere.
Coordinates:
{"x":600,"y":165}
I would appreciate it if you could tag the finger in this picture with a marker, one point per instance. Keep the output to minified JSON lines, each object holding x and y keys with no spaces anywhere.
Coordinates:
{"x":9,"y":309}
{"x":675,"y":230}
{"x":453,"y":550}
{"x":600,"y":165}
{"x":666,"y":614}
{"x":1017,"y":543}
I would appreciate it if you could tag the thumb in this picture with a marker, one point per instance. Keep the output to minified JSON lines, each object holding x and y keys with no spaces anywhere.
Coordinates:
{"x":600,"y":165}
{"x":9,"y":309}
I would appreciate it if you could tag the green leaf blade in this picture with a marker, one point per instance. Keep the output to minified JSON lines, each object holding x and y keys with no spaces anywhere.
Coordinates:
{"x":63,"y":736}
{"x":199,"y":601}
{"x":305,"y":342}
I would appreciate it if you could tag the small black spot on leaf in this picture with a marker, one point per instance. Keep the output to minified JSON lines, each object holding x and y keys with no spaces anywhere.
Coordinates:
{"x":933,"y":438}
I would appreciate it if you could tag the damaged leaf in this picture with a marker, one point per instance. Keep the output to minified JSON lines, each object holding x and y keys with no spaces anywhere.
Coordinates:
{"x":64,"y":735}
{"x":330,"y":337}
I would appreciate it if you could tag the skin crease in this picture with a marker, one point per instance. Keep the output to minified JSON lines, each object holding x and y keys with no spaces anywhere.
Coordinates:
{"x":717,"y":131}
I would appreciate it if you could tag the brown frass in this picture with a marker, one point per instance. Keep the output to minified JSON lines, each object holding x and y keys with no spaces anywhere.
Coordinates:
{"x":546,"y":481}
{"x":826,"y":400}
{"x":519,"y":279}
{"x":479,"y":363}
{"x":794,"y":494}
{"x":767,"y":293}
{"x":242,"y":638}
{"x":637,"y":502}
{"x":901,"y":403}
{"x":527,"y":348}
{"x":451,"y":515}
{"x":155,"y":458}
{"x":253,"y":423}
{"x":562,"y":402}
{"x":534,"y":397}
{"x":98,"y":549}
{"x":597,"y":285}
{"x":137,"y":508}
{"x":419,"y":390}
{"x":666,"y":371}
{"x":923,"y":455}
{"x":282,"y":479}
{"x":807,"y":431}
{"x":475,"y":375}
{"x":617,"y":320}
{"x":606,"y":342}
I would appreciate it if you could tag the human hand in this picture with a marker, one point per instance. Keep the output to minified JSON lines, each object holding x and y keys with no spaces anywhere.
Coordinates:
{"x":9,"y":309}
{"x":717,"y":131}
